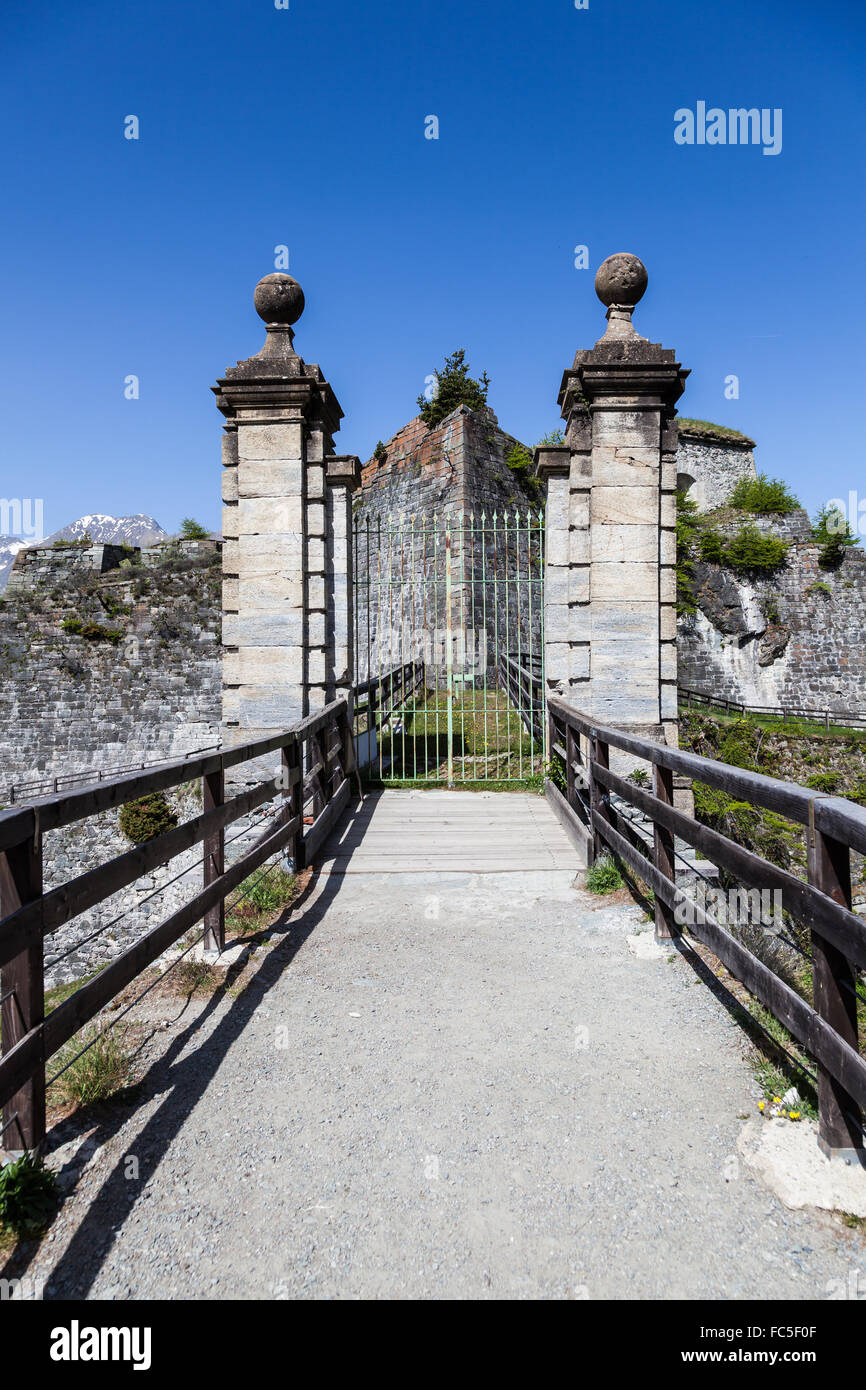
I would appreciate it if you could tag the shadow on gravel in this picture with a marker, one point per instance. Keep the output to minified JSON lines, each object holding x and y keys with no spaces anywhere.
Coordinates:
{"x":183,"y":1082}
{"x":757,"y":1035}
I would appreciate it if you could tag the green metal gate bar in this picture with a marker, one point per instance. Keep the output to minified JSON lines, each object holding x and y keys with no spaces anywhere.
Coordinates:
{"x":447,"y":609}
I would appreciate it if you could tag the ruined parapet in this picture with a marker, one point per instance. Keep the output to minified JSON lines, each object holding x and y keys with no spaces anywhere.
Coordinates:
{"x":711,"y":460}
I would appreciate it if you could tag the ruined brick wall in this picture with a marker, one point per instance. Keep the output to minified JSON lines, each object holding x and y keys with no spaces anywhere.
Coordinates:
{"x":428,"y":477}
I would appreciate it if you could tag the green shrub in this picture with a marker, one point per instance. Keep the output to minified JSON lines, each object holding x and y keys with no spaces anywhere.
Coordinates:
{"x":819,"y":587}
{"x":603,"y":876}
{"x":750,"y":552}
{"x":192,"y":530}
{"x":93,"y":632}
{"x":831,"y":524}
{"x":146,"y":818}
{"x":763,"y":494}
{"x":27,"y":1196}
{"x":554,"y":439}
{"x":519,"y":460}
{"x":455,"y":387}
{"x":687,"y":531}
{"x":712,"y":546}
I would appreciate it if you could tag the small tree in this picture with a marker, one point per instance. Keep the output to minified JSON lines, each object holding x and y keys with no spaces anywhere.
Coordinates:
{"x":832,"y":532}
{"x":454,"y":386}
{"x":192,"y":530}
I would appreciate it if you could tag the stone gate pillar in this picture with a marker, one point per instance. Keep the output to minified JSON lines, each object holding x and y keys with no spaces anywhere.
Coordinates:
{"x":287,"y":570}
{"x":610,"y":567}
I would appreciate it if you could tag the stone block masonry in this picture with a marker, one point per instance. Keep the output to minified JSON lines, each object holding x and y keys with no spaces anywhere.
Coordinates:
{"x":610,"y":566}
{"x":71,"y":704}
{"x":287,"y":564}
{"x":711,"y":461}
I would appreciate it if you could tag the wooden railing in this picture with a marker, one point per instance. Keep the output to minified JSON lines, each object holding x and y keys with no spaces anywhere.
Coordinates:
{"x":316,"y":757}
{"x":521,"y":679}
{"x":846,"y":719}
{"x":375,"y":700}
{"x":834,"y":827}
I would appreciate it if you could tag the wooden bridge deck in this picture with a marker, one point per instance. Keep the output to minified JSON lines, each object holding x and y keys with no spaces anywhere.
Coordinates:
{"x":428,"y":831}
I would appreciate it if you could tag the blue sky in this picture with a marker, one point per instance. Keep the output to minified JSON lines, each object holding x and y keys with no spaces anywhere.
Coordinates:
{"x":305,"y":127}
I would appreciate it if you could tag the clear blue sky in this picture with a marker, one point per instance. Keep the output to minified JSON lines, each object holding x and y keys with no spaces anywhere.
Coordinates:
{"x":306,"y":127}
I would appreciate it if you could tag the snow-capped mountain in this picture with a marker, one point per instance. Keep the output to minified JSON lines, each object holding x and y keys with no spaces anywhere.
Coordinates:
{"x":9,"y":547}
{"x":102,"y":530}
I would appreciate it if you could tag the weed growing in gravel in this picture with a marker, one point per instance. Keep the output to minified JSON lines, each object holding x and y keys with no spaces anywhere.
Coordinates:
{"x":259,"y":895}
{"x":195,"y":977}
{"x":27,"y":1196}
{"x":603,"y":876}
{"x":100,"y":1072}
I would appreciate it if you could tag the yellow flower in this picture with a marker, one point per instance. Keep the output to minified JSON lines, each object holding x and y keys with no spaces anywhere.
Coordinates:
{"x":794,"y":1115}
{"x":761,"y":1104}
{"x":777,"y":1100}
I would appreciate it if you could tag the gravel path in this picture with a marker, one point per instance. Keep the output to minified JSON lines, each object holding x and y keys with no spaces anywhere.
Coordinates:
{"x":440,"y":1086}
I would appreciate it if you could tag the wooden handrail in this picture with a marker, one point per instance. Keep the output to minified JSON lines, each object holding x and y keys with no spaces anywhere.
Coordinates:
{"x":834,"y":826}
{"x":29,"y":914}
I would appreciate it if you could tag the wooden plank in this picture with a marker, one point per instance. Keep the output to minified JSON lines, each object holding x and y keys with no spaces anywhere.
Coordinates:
{"x":803,"y":900}
{"x":663,"y":852}
{"x":24,"y":999}
{"x":17,"y":825}
{"x":785,"y":798}
{"x":69,"y":899}
{"x":213,"y":797}
{"x":834,"y":992}
{"x":801,"y":1020}
{"x":571,"y":823}
{"x":66,"y":1020}
{"x":316,"y":835}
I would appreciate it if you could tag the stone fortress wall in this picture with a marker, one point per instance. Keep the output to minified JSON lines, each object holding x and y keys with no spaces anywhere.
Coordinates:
{"x":70,"y":704}
{"x":423,"y":478}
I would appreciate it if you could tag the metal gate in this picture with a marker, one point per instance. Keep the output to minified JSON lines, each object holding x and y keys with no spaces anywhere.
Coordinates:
{"x":449,"y":643}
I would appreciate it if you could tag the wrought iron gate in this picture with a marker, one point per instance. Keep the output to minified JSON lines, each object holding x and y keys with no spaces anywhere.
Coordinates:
{"x":449,"y":644}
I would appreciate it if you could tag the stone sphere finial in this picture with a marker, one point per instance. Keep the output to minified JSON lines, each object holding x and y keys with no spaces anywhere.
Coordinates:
{"x":621,"y":280}
{"x":279,"y":299}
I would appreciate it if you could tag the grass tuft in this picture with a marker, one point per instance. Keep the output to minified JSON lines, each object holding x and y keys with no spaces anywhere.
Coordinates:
{"x":603,"y":876}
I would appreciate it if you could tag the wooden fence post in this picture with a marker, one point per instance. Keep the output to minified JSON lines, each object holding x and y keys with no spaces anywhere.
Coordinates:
{"x":23,"y":990}
{"x":213,"y":795}
{"x":663,"y":852}
{"x":570,"y":759}
{"x":599,"y":753}
{"x":834,"y":996}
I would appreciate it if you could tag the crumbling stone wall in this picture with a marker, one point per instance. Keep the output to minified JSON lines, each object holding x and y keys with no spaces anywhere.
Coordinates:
{"x":793,"y":639}
{"x":69,"y":704}
{"x":714,"y":464}
{"x":425,"y":476}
